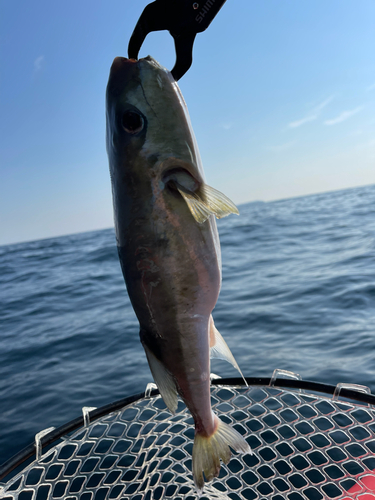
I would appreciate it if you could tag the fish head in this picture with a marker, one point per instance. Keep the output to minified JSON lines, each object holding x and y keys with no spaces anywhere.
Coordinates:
{"x":148,"y":125}
{"x":150,"y":143}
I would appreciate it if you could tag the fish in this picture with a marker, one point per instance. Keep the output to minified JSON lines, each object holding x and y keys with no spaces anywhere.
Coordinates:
{"x":168,"y":246}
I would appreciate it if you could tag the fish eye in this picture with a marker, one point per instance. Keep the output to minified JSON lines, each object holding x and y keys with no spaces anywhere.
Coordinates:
{"x":132,"y":122}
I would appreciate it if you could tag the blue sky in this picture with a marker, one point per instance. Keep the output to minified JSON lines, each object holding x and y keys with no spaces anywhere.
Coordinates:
{"x":281,"y":95}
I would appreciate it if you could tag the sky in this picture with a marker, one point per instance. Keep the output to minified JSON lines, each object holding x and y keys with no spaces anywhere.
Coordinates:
{"x":281,"y":95}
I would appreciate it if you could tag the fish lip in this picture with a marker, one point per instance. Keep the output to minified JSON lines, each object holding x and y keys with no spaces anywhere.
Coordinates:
{"x":119,"y":62}
{"x":122,"y":64}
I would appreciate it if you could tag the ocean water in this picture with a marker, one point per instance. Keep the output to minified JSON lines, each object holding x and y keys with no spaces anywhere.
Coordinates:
{"x":298,"y":294}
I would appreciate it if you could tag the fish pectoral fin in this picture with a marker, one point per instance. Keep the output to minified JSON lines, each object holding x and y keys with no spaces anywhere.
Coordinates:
{"x":206,"y":201}
{"x":163,"y":379}
{"x":220,"y":350}
{"x":199,"y":210}
{"x":220,"y":204}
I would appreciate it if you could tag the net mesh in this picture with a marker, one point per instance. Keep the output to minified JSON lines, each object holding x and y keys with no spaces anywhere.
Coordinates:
{"x":304,"y":447}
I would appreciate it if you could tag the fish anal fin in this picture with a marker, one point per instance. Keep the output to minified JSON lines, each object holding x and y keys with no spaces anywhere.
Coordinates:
{"x":219,"y":348}
{"x":163,"y":379}
{"x":206,"y":201}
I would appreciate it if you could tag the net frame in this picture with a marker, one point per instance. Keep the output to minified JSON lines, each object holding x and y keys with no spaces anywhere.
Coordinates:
{"x":254,"y":436}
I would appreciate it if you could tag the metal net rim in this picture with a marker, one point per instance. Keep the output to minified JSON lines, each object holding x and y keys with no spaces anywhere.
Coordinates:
{"x":350,"y":392}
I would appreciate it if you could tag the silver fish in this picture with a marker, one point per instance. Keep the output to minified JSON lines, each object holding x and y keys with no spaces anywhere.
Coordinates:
{"x":168,"y":246}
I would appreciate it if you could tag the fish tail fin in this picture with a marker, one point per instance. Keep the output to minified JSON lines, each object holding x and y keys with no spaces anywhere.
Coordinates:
{"x":208,"y":450}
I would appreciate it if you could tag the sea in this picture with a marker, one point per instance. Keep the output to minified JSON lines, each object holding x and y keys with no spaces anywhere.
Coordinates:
{"x":298,"y":294}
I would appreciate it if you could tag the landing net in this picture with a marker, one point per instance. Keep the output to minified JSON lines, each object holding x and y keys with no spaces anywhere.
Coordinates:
{"x":306,"y":446}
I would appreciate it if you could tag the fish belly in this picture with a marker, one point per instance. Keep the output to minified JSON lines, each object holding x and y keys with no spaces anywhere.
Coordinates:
{"x":173,"y":280}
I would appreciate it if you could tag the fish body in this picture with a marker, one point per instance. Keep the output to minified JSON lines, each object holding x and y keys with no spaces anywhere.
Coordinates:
{"x":168,"y":245}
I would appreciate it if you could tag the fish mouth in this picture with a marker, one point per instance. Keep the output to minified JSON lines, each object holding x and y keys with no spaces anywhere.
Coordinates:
{"x":122,"y":70}
{"x":120,"y":63}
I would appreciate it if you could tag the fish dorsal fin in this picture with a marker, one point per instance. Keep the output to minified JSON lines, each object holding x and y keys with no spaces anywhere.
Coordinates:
{"x":206,"y":201}
{"x":163,"y":379}
{"x":220,"y":350}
